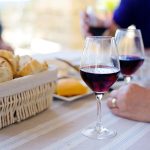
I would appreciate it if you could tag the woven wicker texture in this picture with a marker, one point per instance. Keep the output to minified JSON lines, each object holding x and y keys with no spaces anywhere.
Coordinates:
{"x":34,"y":95}
{"x":24,"y":105}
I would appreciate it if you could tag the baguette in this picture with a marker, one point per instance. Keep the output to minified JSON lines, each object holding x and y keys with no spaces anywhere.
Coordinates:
{"x":31,"y":67}
{"x":10,"y":58}
{"x":6,"y":72}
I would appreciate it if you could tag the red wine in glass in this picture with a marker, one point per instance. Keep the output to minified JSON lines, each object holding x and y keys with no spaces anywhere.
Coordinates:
{"x":96,"y":31}
{"x":99,"y":78}
{"x":131,"y":51}
{"x":129,"y":64}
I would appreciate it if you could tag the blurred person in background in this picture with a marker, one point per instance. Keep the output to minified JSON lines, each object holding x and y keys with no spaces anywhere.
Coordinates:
{"x":131,"y":101}
{"x":128,"y":12}
{"x":3,"y":44}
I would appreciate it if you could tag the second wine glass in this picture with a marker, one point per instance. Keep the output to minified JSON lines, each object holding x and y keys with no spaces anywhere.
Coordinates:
{"x":131,"y":51}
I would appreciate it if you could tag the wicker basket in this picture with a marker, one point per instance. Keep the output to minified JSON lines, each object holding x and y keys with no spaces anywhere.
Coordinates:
{"x":26,"y":96}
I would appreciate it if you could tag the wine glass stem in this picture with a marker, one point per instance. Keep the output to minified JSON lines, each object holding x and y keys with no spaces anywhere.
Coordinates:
{"x":99,"y":112}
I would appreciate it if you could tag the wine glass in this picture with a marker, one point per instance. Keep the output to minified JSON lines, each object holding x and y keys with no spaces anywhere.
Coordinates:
{"x":99,"y":72}
{"x":131,"y":51}
{"x":95,"y":27}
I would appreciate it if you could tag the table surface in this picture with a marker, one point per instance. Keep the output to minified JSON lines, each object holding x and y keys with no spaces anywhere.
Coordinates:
{"x":59,"y":128}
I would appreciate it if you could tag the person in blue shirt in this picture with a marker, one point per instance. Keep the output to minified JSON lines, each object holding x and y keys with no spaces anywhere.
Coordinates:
{"x":136,"y":12}
{"x":129,"y":12}
{"x":131,"y":101}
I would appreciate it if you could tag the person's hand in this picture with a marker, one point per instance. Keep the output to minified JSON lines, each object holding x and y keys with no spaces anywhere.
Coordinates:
{"x":132,"y":102}
{"x":85,"y":24}
{"x":87,"y":21}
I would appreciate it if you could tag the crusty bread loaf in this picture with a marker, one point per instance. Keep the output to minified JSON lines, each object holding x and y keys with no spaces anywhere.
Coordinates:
{"x":12,"y":66}
{"x":6,"y":72}
{"x":10,"y":58}
{"x":70,"y":87}
{"x":31,"y":67}
{"x":23,"y":60}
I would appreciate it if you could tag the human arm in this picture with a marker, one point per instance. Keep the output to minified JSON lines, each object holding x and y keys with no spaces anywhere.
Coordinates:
{"x":123,"y":17}
{"x":3,"y":44}
{"x":132,"y":102}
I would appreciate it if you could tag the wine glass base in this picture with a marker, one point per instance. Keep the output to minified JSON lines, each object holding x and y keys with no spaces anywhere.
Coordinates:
{"x":104,"y":133}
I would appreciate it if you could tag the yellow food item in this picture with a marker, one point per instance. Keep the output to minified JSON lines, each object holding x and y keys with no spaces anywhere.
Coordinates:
{"x":31,"y":67}
{"x":12,"y":66}
{"x":10,"y":58}
{"x":45,"y":65}
{"x":23,"y":60}
{"x":6,"y":72}
{"x":70,"y":87}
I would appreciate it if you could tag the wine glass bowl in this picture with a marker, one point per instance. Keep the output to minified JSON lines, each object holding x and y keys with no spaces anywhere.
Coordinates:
{"x":93,"y":78}
{"x":95,"y":29}
{"x":131,"y":51}
{"x":99,"y":72}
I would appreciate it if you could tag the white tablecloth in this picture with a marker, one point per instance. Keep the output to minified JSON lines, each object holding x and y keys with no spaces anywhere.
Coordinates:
{"x":59,"y":128}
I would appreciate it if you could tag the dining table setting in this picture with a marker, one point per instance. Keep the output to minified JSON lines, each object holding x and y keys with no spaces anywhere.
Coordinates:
{"x":69,"y":121}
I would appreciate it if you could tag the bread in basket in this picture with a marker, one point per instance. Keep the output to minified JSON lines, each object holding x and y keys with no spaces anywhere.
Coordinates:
{"x":23,"y":97}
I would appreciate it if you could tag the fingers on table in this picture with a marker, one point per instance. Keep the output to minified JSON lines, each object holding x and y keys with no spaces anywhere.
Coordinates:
{"x":116,"y":110}
{"x":112,"y":102}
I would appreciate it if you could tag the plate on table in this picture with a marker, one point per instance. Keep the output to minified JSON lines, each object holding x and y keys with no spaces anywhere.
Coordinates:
{"x":72,"y":98}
